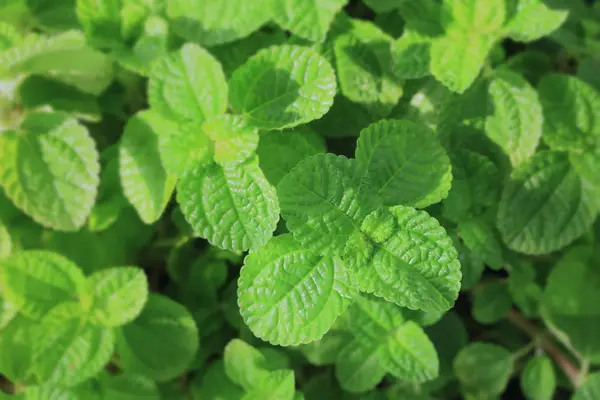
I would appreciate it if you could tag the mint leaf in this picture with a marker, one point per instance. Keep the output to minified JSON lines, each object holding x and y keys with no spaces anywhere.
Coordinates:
{"x":234,"y":207}
{"x":50,"y":170}
{"x":119,"y":295}
{"x":188,"y":84}
{"x":282,"y":87}
{"x":358,"y":368}
{"x":127,"y":386}
{"x":288,"y":295}
{"x":480,"y":237}
{"x":164,"y":326}
{"x":545,"y":205}
{"x":38,"y":281}
{"x":234,"y":140}
{"x":533,"y":20}
{"x":308,"y":19}
{"x":569,"y":119}
{"x":16,"y":347}
{"x":244,"y":364}
{"x":322,"y":202}
{"x":483,"y":369}
{"x":183,"y":146}
{"x":146,"y":184}
{"x":404,"y":163}
{"x":491,"y":303}
{"x":475,"y":16}
{"x":213,"y":23}
{"x":411,"y":54}
{"x":515,"y":119}
{"x":538,"y":379}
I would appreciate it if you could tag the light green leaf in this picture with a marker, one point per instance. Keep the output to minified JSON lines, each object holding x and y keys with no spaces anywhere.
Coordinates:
{"x":404,"y":163}
{"x":37,"y":281}
{"x":475,"y":16}
{"x":50,"y":170}
{"x":16,"y":348}
{"x":216,"y":22}
{"x":276,"y":385}
{"x":545,"y":205}
{"x":570,"y":119}
{"x":101,"y":21}
{"x":6,"y":244}
{"x":491,"y":302}
{"x":119,"y":295}
{"x":323,"y":203}
{"x":110,"y":200}
{"x":411,"y":54}
{"x":515,"y":116}
{"x":188,"y":84}
{"x":233,"y":207}
{"x":483,"y":369}
{"x":289,"y":296}
{"x":282,"y":87}
{"x":358,"y":368}
{"x":214,"y":384}
{"x":325,"y":350}
{"x":538,"y":379}
{"x":590,"y":389}
{"x":9,"y":36}
{"x":127,"y":387}
{"x":308,"y":19}
{"x":146,"y":184}
{"x":69,"y":350}
{"x":244,"y":364}
{"x":479,"y":236}
{"x":234,"y":140}
{"x":416,"y":267}
{"x":533,"y":20}
{"x":169,"y":330}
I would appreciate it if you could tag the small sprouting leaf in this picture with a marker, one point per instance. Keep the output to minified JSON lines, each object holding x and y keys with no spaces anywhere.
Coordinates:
{"x":515,"y":119}
{"x":570,"y":117}
{"x":538,"y":379}
{"x":119,"y":294}
{"x":169,"y":330}
{"x":188,"y":85}
{"x":491,"y":302}
{"x":234,"y":141}
{"x":288,"y":295}
{"x":50,"y":170}
{"x":323,"y":203}
{"x":282,"y":87}
{"x":234,"y":207}
{"x":308,"y":19}
{"x":404,"y":163}
{"x":545,"y":205}
{"x":533,"y":20}
{"x":216,"y":22}
{"x":37,"y":281}
{"x":146,"y":184}
{"x":483,"y":368}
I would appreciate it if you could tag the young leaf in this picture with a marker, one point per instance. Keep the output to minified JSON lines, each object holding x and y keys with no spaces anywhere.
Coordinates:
{"x":515,"y":116}
{"x":404,"y":163}
{"x":533,"y":20}
{"x":322,"y":202}
{"x":234,"y":207}
{"x":234,"y":140}
{"x":146,"y":184}
{"x":538,"y":380}
{"x":50,"y":170}
{"x":169,"y":330}
{"x":483,"y":368}
{"x":119,"y":295}
{"x":188,"y":85}
{"x":491,"y":303}
{"x":308,"y":19}
{"x":570,"y":121}
{"x":216,"y":22}
{"x":545,"y":206}
{"x":288,"y":295}
{"x":282,"y":87}
{"x":37,"y":281}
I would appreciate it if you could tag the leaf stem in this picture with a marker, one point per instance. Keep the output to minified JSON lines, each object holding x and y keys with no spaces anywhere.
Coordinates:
{"x":568,"y":367}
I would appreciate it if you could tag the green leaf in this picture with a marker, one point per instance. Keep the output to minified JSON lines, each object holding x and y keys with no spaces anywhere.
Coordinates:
{"x":110,"y":200}
{"x":308,"y":19}
{"x":69,"y":350}
{"x":325,"y":350}
{"x":545,"y":205}
{"x":128,"y":386}
{"x":234,"y":207}
{"x":52,"y":15}
{"x":16,"y":348}
{"x":188,"y":84}
{"x":538,"y":379}
{"x":289,"y":296}
{"x":282,"y":87}
{"x":587,"y":72}
{"x":483,"y":369}
{"x":515,"y":116}
{"x":214,"y":384}
{"x":6,"y":244}
{"x":119,"y":295}
{"x":570,"y":121}
{"x":9,"y":36}
{"x":234,"y":140}
{"x":244,"y":364}
{"x":382,"y":6}
{"x":475,"y":16}
{"x":491,"y":303}
{"x":411,"y":54}
{"x":216,"y":22}
{"x":449,"y":335}
{"x":274,"y":386}
{"x":101,"y":21}
{"x":533,"y":20}
{"x":50,"y":170}
{"x":323,"y":203}
{"x":146,"y":184}
{"x":480,"y":237}
{"x":532,"y":64}
{"x":525,"y":291}
{"x":590,"y":389}
{"x":416,"y":267}
{"x":169,"y":330}
{"x":358,"y":368}
{"x":37,"y":281}
{"x":404,"y":163}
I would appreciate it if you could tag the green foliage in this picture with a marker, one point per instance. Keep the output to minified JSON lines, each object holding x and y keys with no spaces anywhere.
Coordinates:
{"x":299,"y":199}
